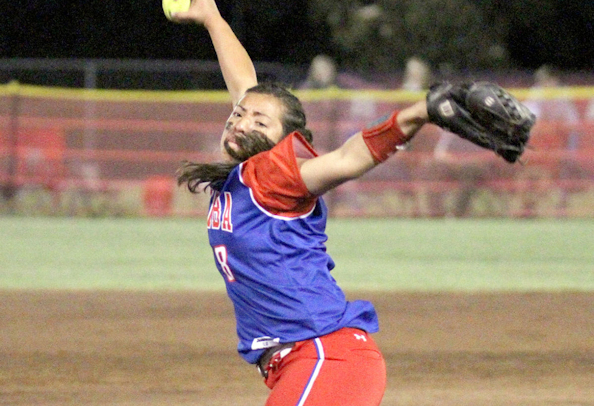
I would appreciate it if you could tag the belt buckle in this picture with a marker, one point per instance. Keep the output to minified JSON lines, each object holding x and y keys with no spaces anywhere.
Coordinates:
{"x":263,"y":373}
{"x":273,"y":361}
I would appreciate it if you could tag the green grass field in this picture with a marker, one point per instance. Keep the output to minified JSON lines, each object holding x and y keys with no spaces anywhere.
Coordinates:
{"x":371,"y":254}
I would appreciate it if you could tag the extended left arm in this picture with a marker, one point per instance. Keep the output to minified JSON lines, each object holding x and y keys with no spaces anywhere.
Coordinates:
{"x":363,"y":151}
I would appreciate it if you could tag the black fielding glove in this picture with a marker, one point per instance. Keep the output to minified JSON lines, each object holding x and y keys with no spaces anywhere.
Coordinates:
{"x":484,"y":114}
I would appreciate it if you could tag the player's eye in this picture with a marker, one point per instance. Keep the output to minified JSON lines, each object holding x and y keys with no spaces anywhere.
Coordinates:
{"x":260,"y":124}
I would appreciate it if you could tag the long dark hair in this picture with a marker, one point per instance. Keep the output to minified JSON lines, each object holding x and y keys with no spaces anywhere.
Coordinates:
{"x":199,"y":176}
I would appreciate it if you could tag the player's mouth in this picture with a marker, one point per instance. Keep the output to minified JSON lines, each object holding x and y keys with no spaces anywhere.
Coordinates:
{"x":240,"y":147}
{"x":231,"y":140}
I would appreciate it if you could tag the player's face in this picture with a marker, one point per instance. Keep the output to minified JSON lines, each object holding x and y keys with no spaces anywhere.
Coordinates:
{"x":257,"y":115}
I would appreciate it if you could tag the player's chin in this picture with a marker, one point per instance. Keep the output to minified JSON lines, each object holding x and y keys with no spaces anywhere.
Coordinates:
{"x":234,"y":152}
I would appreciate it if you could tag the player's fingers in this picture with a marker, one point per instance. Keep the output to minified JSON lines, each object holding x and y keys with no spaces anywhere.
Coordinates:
{"x":183,"y":17}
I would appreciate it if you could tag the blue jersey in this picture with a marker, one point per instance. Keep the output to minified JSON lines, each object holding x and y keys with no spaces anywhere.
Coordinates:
{"x":268,"y":237}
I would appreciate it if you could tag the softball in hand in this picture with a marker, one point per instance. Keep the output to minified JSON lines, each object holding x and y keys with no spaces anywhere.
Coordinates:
{"x":175,"y":6}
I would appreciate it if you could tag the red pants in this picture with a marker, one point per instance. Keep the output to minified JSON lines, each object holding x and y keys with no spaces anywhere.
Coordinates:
{"x":343,"y":368}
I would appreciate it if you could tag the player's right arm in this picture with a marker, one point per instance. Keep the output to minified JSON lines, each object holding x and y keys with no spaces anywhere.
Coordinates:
{"x":236,"y":65}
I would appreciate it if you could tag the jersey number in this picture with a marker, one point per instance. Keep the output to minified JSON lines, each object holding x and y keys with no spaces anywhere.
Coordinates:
{"x":221,"y":255}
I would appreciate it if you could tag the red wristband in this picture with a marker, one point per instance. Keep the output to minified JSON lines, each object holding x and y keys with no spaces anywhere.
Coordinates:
{"x":385,"y":137}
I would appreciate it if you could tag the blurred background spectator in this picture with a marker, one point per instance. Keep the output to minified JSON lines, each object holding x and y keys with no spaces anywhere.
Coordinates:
{"x":456,"y":172}
{"x":557,"y":131}
{"x":455,"y":169}
{"x":417,"y":75}
{"x":321,"y":73}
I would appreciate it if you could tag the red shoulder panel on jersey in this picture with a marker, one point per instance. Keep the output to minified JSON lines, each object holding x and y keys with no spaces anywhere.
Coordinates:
{"x":275,"y":179}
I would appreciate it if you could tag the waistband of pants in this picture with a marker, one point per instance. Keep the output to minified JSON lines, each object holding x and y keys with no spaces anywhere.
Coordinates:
{"x":272,"y":356}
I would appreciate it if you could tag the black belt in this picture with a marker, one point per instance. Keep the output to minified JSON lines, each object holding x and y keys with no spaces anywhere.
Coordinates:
{"x":267,"y":359}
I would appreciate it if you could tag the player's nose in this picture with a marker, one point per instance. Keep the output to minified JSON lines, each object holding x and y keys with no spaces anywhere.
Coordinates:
{"x":242,"y":125}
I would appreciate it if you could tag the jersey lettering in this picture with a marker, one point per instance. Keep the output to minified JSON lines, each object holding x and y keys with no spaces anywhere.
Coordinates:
{"x":221,"y":256}
{"x":216,"y":211}
{"x":214,"y":215}
{"x":227,"y":225}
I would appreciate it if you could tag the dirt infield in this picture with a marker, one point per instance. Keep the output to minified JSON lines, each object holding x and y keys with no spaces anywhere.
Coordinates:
{"x":178,"y":348}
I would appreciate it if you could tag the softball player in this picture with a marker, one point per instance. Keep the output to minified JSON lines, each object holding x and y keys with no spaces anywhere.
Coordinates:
{"x":266,"y":225}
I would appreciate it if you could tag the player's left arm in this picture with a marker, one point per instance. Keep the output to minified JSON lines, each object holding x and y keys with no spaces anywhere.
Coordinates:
{"x":363,"y":151}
